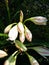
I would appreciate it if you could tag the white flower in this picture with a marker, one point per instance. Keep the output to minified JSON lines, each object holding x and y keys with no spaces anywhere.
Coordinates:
{"x":22,"y":37}
{"x":28,"y":34}
{"x":7,"y":29}
{"x":20,"y":27}
{"x":13,"y":33}
{"x":2,"y":54}
{"x":39,"y":20}
{"x":6,"y":62}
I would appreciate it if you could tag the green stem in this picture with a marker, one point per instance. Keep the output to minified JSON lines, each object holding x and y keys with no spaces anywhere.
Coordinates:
{"x":8,"y":11}
{"x":26,"y":20}
{"x":4,"y":35}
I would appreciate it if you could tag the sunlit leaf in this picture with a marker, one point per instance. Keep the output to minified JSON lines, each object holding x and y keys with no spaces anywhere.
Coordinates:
{"x":20,"y":45}
{"x":32,"y":60}
{"x":6,"y":30}
{"x":3,"y":54}
{"x":12,"y":59}
{"x":42,"y":51}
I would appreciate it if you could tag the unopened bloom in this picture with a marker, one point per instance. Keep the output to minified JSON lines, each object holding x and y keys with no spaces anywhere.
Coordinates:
{"x":13,"y":33}
{"x":22,"y":37}
{"x":20,"y":27}
{"x":7,"y":29}
{"x":2,"y":54}
{"x":28,"y":34}
{"x":39,"y":20}
{"x":6,"y":62}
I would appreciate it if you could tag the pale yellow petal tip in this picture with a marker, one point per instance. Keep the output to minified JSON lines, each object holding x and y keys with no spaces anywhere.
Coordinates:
{"x":3,"y":54}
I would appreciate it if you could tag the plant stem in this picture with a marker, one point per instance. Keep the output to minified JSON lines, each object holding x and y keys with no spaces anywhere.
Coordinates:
{"x":8,"y":11}
{"x":4,"y":35}
{"x":26,"y":20}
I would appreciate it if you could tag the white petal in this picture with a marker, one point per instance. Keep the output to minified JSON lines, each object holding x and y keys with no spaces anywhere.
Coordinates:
{"x":2,"y":54}
{"x":13,"y":33}
{"x":6,"y":62}
{"x":20,"y":27}
{"x":7,"y":29}
{"x":28,"y":34}
{"x":39,"y":20}
{"x":22,"y":37}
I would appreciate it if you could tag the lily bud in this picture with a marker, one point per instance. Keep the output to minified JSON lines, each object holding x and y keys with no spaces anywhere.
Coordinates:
{"x":13,"y":33}
{"x":39,"y":20}
{"x":2,"y":54}
{"x":20,"y":27}
{"x":6,"y":62}
{"x":21,"y":16}
{"x":7,"y":29}
{"x":22,"y":37}
{"x":28,"y":34}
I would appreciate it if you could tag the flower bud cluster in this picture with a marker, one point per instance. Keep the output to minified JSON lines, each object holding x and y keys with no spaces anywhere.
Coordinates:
{"x":22,"y":30}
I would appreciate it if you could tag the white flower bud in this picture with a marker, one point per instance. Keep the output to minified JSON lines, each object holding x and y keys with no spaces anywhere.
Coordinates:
{"x":2,"y":54}
{"x":28,"y":34}
{"x":22,"y":37}
{"x":7,"y":29}
{"x":20,"y":27}
{"x":13,"y":33}
{"x":6,"y":62}
{"x":39,"y":20}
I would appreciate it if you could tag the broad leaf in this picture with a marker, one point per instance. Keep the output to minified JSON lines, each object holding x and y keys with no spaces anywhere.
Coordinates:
{"x":42,"y":51}
{"x":32,"y":60}
{"x":20,"y":45}
{"x":12,"y":59}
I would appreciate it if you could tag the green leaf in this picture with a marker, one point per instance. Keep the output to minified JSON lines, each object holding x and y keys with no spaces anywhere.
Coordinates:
{"x":20,"y":45}
{"x":32,"y":60}
{"x":12,"y":59}
{"x":6,"y":30}
{"x":42,"y":51}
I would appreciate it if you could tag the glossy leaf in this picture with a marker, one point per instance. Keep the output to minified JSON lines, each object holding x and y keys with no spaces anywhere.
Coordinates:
{"x":20,"y":45}
{"x":7,"y":29}
{"x":12,"y":59}
{"x":32,"y":60}
{"x":42,"y":51}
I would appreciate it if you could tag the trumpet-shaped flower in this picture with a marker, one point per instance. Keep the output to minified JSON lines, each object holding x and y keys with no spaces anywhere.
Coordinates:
{"x":13,"y":33}
{"x":20,"y":27}
{"x":39,"y":20}
{"x":28,"y":34}
{"x":22,"y":37}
